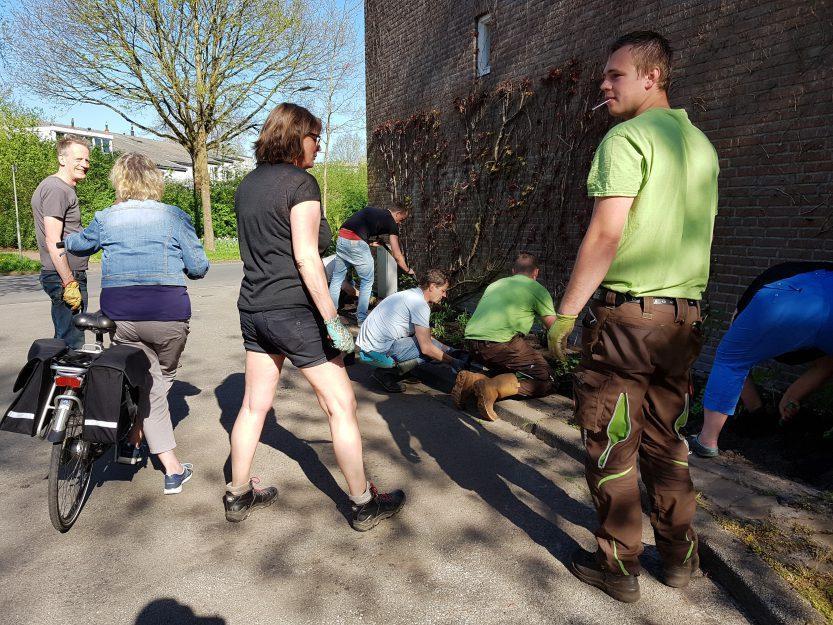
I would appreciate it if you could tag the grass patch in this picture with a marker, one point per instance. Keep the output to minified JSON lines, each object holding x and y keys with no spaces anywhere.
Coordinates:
{"x":226,"y":249}
{"x":780,"y":550}
{"x":15,"y":265}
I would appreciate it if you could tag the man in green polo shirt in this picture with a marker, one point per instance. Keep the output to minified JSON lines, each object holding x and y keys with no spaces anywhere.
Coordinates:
{"x":495,"y":337}
{"x":643,"y":266}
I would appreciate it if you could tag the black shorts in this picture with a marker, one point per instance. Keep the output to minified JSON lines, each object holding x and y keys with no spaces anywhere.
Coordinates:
{"x":297,"y":333}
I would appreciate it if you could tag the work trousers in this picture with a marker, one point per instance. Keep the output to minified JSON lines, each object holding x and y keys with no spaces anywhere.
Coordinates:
{"x":632,"y":392}
{"x":518,"y":357}
{"x":163,"y":343}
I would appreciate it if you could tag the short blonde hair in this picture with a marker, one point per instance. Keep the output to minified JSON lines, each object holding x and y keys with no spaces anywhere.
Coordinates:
{"x":136,"y":177}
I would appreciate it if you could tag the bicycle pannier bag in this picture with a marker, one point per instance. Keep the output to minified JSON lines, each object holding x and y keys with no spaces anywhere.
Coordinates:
{"x":114,"y":381}
{"x":32,"y":387}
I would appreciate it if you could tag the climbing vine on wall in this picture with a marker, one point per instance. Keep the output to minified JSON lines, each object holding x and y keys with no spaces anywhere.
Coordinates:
{"x":502,"y":171}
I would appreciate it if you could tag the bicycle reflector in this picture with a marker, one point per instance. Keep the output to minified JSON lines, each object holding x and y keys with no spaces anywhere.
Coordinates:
{"x":68,"y":381}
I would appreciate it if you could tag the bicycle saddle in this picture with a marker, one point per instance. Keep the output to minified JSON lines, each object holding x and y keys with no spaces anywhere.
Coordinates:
{"x":94,"y":322}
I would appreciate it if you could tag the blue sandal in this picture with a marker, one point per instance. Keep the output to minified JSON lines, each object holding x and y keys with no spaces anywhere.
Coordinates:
{"x":698,"y":449}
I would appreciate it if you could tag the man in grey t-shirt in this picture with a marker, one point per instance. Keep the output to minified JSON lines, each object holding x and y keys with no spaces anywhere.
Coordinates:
{"x":398,"y":329}
{"x":56,"y":214}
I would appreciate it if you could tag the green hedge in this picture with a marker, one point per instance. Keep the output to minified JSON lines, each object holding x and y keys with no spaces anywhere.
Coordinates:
{"x":14,"y":264}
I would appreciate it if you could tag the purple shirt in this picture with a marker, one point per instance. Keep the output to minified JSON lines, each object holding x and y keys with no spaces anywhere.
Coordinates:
{"x":146,"y":303}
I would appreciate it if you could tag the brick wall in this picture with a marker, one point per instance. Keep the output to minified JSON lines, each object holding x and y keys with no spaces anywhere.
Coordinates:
{"x":755,"y":76}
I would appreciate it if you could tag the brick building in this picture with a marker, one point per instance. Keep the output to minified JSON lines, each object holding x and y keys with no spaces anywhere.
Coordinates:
{"x":443,"y":76}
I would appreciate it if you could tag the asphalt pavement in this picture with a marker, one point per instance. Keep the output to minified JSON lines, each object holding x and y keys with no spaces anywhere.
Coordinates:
{"x":485,"y":536}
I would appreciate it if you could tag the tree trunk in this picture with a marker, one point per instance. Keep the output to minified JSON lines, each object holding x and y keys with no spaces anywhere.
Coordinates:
{"x":324,"y":194}
{"x":203,"y":179}
{"x":195,"y":190}
{"x":327,"y":137}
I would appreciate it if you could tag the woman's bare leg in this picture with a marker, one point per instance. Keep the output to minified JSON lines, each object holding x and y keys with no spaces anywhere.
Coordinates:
{"x":749,"y":396}
{"x":262,"y":374}
{"x":713,"y":422}
{"x":335,"y":394}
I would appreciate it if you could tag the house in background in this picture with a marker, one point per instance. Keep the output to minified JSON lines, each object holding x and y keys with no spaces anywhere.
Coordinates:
{"x":169,"y":157}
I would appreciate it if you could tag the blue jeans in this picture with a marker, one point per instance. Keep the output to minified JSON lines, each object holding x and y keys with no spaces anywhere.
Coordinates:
{"x":356,"y":254}
{"x":408,"y":349}
{"x":795,"y":313}
{"x":61,"y":313}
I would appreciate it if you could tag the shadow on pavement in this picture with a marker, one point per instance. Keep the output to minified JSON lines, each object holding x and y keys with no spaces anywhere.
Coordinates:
{"x":172,"y":612}
{"x":177,"y":402}
{"x":472,"y":456}
{"x":229,"y":398}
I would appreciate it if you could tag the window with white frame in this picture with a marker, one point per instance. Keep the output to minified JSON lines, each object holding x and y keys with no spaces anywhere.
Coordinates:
{"x":484,"y":44}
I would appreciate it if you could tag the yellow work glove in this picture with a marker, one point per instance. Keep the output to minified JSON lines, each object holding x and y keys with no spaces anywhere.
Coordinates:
{"x":72,"y":295}
{"x":559,"y":332}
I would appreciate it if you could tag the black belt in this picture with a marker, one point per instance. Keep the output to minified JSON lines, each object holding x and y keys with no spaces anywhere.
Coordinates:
{"x":601,"y":296}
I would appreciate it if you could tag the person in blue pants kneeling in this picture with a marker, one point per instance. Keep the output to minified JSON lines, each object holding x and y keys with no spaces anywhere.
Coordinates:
{"x":787,"y":313}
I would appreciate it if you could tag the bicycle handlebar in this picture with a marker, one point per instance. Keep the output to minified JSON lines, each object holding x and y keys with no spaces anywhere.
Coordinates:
{"x":60,"y":245}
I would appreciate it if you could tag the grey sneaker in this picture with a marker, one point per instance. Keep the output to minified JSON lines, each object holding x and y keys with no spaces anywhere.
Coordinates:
{"x":173,"y":483}
{"x":699,"y":449}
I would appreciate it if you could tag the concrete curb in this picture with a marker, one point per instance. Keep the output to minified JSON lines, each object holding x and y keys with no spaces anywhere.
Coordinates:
{"x":764,"y":594}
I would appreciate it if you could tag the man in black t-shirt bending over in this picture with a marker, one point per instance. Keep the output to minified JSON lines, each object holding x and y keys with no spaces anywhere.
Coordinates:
{"x":353,"y":250}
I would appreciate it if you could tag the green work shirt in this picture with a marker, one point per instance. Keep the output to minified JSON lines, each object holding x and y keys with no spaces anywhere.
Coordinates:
{"x":508,"y":307}
{"x":671,"y":168}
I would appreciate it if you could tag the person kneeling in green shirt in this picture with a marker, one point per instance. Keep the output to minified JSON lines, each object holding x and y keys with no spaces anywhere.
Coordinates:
{"x":495,"y":338}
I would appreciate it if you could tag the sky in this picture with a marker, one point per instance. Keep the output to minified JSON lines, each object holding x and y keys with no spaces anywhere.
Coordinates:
{"x":95,"y":117}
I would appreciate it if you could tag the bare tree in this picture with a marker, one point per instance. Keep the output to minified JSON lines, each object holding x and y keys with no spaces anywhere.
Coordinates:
{"x":206,"y":68}
{"x":348,"y":147}
{"x":341,"y":96}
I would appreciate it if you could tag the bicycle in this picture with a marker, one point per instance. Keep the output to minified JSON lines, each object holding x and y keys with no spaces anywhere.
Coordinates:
{"x":61,"y":422}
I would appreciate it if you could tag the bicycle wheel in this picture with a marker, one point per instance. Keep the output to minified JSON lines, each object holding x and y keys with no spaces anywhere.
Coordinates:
{"x":70,"y":470}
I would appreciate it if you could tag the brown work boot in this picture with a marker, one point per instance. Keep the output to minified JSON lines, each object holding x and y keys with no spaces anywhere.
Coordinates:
{"x":464,"y":387}
{"x":679,"y":575}
{"x":488,"y":391}
{"x":587,"y":567}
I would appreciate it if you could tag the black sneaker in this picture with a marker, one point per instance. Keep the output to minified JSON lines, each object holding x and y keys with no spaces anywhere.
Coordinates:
{"x":381,"y":506}
{"x":238,"y":507}
{"x":389,"y":380}
{"x":588,"y":569}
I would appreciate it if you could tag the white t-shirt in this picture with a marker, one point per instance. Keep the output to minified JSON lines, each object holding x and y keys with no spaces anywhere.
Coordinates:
{"x":394,"y":318}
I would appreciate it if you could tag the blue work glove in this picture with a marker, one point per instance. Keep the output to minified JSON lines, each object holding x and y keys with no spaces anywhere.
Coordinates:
{"x":339,"y":335}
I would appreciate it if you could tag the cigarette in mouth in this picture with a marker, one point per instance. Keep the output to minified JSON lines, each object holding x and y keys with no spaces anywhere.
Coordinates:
{"x":601,"y":104}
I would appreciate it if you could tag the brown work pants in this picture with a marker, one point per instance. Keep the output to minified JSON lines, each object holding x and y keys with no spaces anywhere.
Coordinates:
{"x":518,"y":357}
{"x":632,"y":397}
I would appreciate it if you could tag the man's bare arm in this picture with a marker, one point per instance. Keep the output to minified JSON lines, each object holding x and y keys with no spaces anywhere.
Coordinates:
{"x":397,"y":254}
{"x":596,"y":253}
{"x":427,"y":347}
{"x":53,"y":230}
